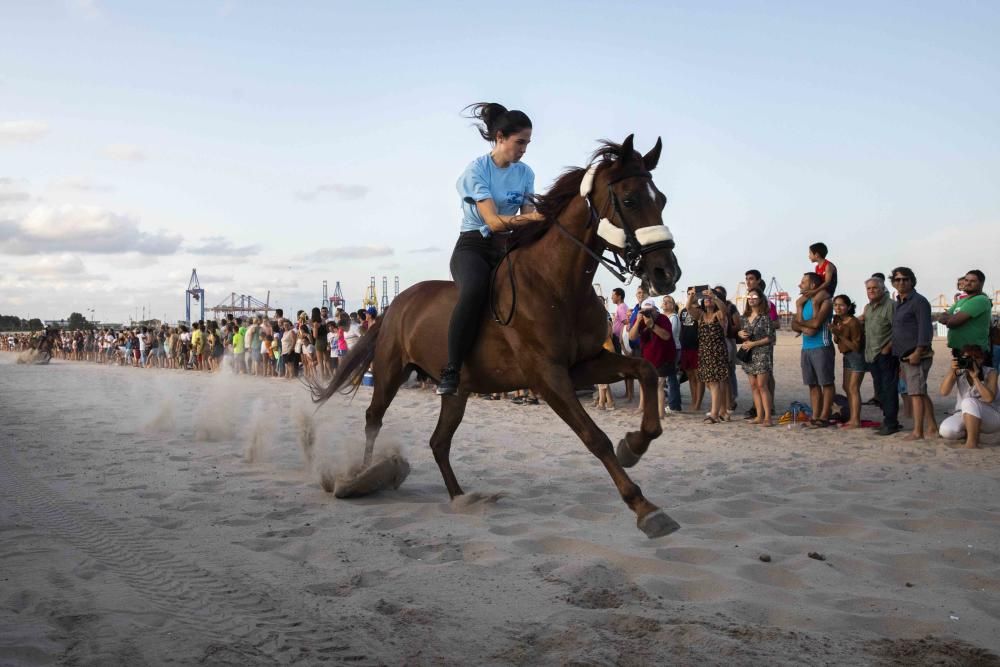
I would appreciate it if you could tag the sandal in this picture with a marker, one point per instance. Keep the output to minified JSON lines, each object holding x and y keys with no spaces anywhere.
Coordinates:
{"x":818,"y":423}
{"x":531,"y":401}
{"x":517,"y":400}
{"x":710,"y":420}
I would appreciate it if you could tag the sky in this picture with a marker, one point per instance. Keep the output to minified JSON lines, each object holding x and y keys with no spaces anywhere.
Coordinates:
{"x":272,"y":146}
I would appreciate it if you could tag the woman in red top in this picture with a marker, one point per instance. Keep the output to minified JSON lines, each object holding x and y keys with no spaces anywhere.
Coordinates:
{"x":657,"y":343}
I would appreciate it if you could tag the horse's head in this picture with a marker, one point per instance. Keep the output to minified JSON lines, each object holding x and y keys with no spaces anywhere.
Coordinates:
{"x":630,"y":210}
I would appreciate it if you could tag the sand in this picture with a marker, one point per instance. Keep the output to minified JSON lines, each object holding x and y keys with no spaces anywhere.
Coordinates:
{"x":167,"y":517}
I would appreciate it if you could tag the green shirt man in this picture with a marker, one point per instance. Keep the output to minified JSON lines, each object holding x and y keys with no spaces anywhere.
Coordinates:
{"x":976,"y":330}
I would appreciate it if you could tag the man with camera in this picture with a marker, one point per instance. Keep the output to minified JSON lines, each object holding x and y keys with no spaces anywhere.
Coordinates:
{"x":653,"y":330}
{"x":977,"y":406}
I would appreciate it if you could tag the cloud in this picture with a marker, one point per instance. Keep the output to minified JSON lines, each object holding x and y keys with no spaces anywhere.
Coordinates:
{"x":218,"y":245}
{"x":79,"y":184}
{"x":429,"y":248}
{"x":22,"y":130}
{"x":348,"y":252}
{"x":388,"y":267}
{"x":344,"y":191}
{"x":10,"y":193}
{"x":55,"y":265}
{"x":125,"y":152}
{"x":84,"y":229}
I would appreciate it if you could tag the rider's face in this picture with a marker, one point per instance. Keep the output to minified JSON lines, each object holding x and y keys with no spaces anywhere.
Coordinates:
{"x":512,"y":147}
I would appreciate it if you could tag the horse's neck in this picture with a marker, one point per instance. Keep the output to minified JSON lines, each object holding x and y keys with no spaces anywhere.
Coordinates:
{"x":568,"y":269}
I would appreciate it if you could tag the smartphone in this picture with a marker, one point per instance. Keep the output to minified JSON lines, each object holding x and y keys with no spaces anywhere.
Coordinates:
{"x":700,"y":289}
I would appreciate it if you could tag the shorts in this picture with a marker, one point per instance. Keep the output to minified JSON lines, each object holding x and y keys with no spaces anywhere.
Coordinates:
{"x":855,"y":361}
{"x":916,"y":376}
{"x":341,"y":353}
{"x":689,"y":360}
{"x":817,"y":366}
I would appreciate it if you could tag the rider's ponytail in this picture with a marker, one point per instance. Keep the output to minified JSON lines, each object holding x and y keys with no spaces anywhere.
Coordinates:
{"x":494,"y":118}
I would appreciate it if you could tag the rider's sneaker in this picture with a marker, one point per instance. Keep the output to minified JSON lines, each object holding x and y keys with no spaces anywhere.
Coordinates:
{"x":449,"y":381}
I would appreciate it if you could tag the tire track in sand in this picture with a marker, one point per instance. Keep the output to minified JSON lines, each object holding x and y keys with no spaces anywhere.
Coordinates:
{"x":247,"y":624}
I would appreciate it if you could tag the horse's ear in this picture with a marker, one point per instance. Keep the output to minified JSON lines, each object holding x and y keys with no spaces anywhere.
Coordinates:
{"x":627,"y":149}
{"x":650,"y":159}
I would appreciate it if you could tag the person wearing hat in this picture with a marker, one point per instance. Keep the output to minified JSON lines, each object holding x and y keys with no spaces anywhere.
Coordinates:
{"x":653,"y":330}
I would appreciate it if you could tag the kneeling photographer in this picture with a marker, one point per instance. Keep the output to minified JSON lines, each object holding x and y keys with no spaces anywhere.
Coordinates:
{"x":977,"y":405}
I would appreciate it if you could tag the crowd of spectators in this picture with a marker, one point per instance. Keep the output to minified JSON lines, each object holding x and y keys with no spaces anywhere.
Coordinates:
{"x":704,"y":343}
{"x":310,"y":344}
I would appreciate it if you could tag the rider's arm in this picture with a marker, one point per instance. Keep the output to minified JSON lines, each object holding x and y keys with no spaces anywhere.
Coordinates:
{"x":502,"y":223}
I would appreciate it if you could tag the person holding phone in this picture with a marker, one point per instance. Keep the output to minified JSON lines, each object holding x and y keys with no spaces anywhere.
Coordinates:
{"x":977,"y":405}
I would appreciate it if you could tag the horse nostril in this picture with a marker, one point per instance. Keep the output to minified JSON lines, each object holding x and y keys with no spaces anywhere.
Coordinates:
{"x":660,"y":275}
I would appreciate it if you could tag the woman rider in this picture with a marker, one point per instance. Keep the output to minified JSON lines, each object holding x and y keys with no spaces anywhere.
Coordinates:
{"x":495,"y":190}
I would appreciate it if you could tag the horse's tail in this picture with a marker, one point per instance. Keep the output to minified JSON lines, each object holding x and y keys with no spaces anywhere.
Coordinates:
{"x":350,"y":369}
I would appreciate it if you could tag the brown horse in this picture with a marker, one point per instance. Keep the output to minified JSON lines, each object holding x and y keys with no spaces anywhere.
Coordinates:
{"x":554,"y":340}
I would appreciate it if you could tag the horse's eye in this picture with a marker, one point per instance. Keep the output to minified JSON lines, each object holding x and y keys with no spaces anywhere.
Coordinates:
{"x":628,"y":202}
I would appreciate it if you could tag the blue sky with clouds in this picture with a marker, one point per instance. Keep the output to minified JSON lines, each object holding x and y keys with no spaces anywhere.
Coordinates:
{"x":274,"y":146}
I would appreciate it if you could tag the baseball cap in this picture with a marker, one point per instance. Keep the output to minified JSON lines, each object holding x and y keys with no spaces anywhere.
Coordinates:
{"x":648,"y":304}
{"x":372,"y":310}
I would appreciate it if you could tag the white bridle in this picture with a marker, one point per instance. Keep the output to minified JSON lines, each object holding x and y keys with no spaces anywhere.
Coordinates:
{"x":614,"y":235}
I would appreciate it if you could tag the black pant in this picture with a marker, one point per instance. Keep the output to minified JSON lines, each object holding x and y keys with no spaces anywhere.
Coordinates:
{"x":885,"y":372}
{"x":472,"y":262}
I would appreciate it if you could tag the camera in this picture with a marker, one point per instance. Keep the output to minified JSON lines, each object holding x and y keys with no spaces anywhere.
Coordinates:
{"x":965,"y":363}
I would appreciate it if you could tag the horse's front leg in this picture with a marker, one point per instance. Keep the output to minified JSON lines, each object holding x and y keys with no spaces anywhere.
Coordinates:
{"x":608,"y":367}
{"x":553,"y":383}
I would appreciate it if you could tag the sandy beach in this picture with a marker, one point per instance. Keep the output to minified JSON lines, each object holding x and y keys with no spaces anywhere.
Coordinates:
{"x":169,"y":517}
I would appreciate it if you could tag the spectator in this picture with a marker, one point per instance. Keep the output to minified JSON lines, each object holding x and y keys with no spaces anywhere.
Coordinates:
{"x":619,"y":322}
{"x":968,"y":320}
{"x":884,"y":367}
{"x":669,"y":308}
{"x":757,"y":336}
{"x":848,"y":334}
{"x":689,"y":355}
{"x":977,"y":408}
{"x":713,"y":364}
{"x":754,"y":280}
{"x":605,"y":401}
{"x":812,"y":320}
{"x":825,"y":269}
{"x":318,"y":333}
{"x":288,"y":355}
{"x":652,"y":329}
{"x":732,"y":388}
{"x":911,"y":343}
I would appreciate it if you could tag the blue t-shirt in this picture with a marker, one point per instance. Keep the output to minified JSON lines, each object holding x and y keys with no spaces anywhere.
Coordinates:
{"x":483,"y":180}
{"x":822,"y":337}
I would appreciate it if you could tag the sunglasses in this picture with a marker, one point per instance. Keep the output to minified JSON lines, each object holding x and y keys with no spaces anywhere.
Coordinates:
{"x":901,"y":279}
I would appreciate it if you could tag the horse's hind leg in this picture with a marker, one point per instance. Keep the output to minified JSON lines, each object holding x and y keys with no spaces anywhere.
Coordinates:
{"x":389,"y":377}
{"x":452,"y":411}
{"x":559,"y":393}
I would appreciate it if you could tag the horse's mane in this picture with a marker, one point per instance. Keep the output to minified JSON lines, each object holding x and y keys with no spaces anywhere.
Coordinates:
{"x":563,"y":191}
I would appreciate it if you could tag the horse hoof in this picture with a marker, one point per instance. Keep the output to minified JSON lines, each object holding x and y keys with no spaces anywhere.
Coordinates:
{"x":387,"y":473}
{"x":657,"y":524}
{"x":625,"y":455}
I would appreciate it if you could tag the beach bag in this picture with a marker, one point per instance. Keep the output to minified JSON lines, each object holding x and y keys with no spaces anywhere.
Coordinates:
{"x":743,"y":355}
